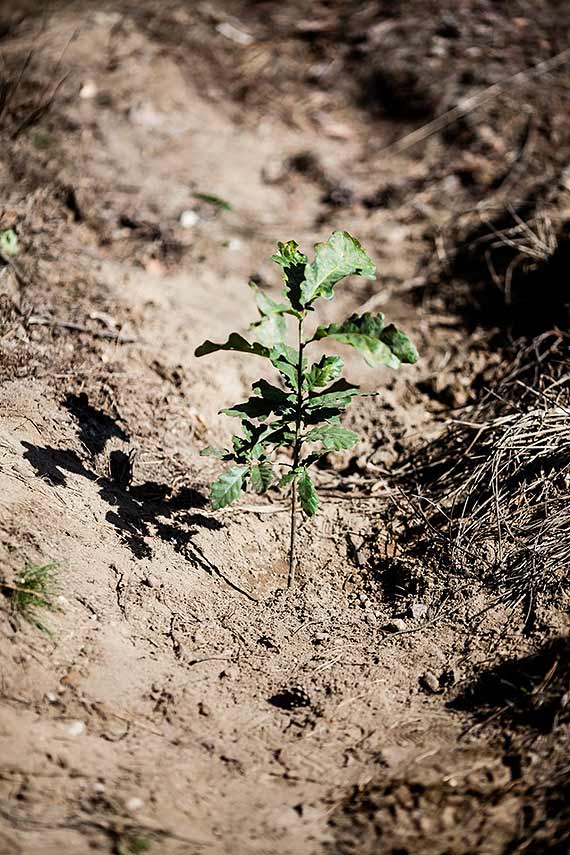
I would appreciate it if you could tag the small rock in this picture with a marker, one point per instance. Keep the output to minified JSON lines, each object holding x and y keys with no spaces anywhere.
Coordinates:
{"x":438,"y":48}
{"x":88,"y":90}
{"x":418,"y":611}
{"x":189,"y":219}
{"x":232,"y":33}
{"x":396,"y":625}
{"x":290,"y":698}
{"x":76,"y":728}
{"x":98,"y":787}
{"x":430,"y":683}
{"x":451,"y":184}
{"x":134,"y":804}
{"x":71,"y":679}
{"x":51,"y":698}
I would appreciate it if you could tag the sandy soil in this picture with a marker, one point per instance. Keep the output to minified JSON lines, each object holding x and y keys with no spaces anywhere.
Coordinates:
{"x":186,"y":701}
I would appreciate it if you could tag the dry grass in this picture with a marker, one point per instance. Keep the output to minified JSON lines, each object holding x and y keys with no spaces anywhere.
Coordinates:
{"x":496,"y":483}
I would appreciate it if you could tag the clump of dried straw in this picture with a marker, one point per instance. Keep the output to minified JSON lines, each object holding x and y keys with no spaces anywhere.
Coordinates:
{"x":496,"y":484}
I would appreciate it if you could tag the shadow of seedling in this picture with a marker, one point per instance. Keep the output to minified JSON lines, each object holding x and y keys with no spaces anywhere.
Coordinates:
{"x":138,"y":510}
{"x":531,"y":692}
{"x":95,"y":426}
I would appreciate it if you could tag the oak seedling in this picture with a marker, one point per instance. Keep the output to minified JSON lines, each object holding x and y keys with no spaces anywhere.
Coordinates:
{"x":302,"y":414}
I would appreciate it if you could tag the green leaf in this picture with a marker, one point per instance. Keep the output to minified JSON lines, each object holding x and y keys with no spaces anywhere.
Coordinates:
{"x":314,"y":456}
{"x":342,"y":255}
{"x":9,"y":244}
{"x":209,"y":451}
{"x":324,"y":414}
{"x":284,"y":358}
{"x":283,"y":351}
{"x":333,"y":437}
{"x":307,"y":494}
{"x":288,"y":478}
{"x":339,"y":394}
{"x":278,"y":432}
{"x":363,"y":333}
{"x":272,"y":393}
{"x":266,"y":304}
{"x":293,"y":263}
{"x":253,"y":408}
{"x":325,"y":371}
{"x":235,"y":342}
{"x":213,"y":200}
{"x":257,"y":408}
{"x":260,"y":437}
{"x":288,"y":254}
{"x":379,"y":345}
{"x":400,"y":345}
{"x":271,"y":330}
{"x":227,"y":488}
{"x":261,"y":475}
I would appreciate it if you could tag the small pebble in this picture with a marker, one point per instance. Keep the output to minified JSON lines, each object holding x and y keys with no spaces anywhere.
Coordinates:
{"x":134,"y":804}
{"x":397,"y":625}
{"x":418,"y":611}
{"x":76,"y":728}
{"x":430,"y":683}
{"x":240,"y":37}
{"x":88,"y":90}
{"x":189,"y":219}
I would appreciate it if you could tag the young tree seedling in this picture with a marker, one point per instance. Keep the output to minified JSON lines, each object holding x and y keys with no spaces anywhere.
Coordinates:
{"x":303,"y":413}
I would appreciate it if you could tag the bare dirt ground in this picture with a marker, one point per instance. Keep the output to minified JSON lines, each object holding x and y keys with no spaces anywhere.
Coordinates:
{"x":185,"y":701}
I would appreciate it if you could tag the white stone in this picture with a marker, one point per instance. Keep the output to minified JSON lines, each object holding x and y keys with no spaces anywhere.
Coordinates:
{"x":230,"y":32}
{"x":88,"y":90}
{"x":189,"y":219}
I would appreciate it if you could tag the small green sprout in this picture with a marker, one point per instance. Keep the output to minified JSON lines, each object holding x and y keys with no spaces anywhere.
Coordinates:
{"x":139,"y":844}
{"x":31,"y":591}
{"x":216,"y":201}
{"x":9,"y":244}
{"x":303,"y":413}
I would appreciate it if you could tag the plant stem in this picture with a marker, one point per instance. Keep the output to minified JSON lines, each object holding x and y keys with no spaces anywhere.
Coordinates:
{"x":296,"y":456}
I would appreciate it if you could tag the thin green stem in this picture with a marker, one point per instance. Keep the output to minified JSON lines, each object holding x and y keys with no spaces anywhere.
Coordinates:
{"x":296,"y":455}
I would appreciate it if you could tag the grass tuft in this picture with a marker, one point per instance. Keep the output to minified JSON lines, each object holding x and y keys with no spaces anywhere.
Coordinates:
{"x":31,"y":592}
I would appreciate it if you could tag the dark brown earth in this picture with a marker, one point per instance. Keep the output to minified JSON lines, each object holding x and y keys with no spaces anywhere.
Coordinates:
{"x":185,"y":701}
